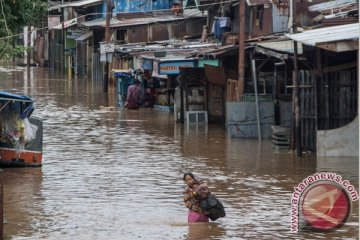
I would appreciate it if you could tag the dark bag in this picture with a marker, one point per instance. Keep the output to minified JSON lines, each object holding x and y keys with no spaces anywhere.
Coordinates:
{"x":201,"y":192}
{"x":213,"y":207}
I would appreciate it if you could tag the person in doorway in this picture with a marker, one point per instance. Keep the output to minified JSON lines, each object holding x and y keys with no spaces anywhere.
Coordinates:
{"x":195,"y":214}
{"x":133,"y":97}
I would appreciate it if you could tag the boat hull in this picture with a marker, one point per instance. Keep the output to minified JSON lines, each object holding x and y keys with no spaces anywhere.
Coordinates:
{"x":10,"y":158}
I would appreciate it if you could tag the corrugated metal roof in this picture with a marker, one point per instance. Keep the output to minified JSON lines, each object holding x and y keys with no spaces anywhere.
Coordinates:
{"x":84,"y":36}
{"x":330,"y":5}
{"x":258,"y":2}
{"x":217,"y":52}
{"x":132,"y":22}
{"x":286,"y":46}
{"x":83,"y":3}
{"x":328,"y":34}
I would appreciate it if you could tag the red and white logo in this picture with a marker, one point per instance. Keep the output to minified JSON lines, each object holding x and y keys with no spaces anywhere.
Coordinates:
{"x":322,"y":201}
{"x":325,"y":206}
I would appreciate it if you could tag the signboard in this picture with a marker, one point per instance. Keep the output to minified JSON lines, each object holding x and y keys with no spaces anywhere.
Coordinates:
{"x":155,"y":72}
{"x":107,"y":47}
{"x":53,"y":21}
{"x":75,"y":32}
{"x":172,"y":67}
{"x":202,"y":62}
{"x":67,"y":24}
{"x":147,"y":64}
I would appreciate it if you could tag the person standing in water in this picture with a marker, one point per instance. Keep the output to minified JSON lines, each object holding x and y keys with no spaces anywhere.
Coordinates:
{"x":195,"y":214}
{"x":133,"y":97}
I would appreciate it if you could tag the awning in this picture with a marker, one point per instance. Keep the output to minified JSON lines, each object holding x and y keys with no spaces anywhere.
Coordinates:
{"x":338,"y":38}
{"x":219,"y":52}
{"x":286,"y":46}
{"x":67,"y":24}
{"x":328,"y":34}
{"x":101,"y":22}
{"x":84,"y":37}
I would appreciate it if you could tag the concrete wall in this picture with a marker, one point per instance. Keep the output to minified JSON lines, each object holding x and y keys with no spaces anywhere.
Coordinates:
{"x":241,"y":119}
{"x":342,"y":141}
{"x":285,"y":113}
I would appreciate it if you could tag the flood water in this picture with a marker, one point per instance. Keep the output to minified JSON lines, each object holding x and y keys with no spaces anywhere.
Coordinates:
{"x":110,"y":173}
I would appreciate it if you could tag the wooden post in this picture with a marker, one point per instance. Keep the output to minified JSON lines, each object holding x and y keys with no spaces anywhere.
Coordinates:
{"x":182,"y":102}
{"x":296,"y":90}
{"x":241,"y":70}
{"x":253,"y":70}
{"x":63,"y":38}
{"x":319,"y":76}
{"x":107,"y":39}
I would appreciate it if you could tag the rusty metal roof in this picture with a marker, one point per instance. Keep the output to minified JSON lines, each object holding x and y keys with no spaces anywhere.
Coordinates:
{"x":328,"y":34}
{"x":218,"y":52}
{"x":176,"y":50}
{"x":133,"y":21}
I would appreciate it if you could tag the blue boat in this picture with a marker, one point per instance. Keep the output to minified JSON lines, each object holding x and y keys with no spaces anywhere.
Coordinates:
{"x":21,"y":135}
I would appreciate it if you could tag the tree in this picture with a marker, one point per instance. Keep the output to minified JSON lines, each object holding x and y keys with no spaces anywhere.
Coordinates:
{"x":15,"y":14}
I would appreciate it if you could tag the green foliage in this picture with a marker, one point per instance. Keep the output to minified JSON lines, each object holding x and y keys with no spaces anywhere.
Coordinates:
{"x":15,"y":14}
{"x":8,"y":50}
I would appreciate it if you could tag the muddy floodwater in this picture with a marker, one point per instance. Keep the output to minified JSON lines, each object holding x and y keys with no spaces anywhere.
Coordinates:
{"x":110,"y":173}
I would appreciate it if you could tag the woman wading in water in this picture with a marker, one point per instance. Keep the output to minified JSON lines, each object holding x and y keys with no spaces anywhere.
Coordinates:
{"x":196,"y":214}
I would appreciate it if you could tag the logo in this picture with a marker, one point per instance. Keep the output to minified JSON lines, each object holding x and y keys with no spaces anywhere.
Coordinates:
{"x":325,"y":206}
{"x":322,"y":201}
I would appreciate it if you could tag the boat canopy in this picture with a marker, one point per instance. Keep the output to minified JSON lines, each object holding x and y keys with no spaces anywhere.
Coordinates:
{"x":20,"y":104}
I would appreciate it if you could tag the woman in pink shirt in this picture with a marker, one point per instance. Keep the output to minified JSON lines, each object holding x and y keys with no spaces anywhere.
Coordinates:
{"x":133,"y":96}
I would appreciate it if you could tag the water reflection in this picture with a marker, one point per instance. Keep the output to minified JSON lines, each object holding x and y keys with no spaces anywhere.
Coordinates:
{"x":22,"y":195}
{"x":114,"y":174}
{"x":204,"y":231}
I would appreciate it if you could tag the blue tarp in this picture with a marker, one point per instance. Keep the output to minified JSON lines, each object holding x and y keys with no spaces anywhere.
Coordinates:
{"x":123,"y":75}
{"x":12,"y":96}
{"x":10,"y":102}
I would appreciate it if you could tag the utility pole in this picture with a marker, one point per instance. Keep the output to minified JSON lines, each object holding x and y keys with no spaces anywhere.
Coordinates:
{"x":63,"y":36}
{"x":28,"y":44}
{"x":107,"y":40}
{"x":241,"y":70}
{"x":296,"y":98}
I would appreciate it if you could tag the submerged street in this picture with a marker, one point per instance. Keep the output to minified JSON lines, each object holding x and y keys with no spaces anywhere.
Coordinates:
{"x":112,"y":173}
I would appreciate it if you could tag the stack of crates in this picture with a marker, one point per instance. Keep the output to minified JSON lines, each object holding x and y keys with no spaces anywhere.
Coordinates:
{"x":281,"y":137}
